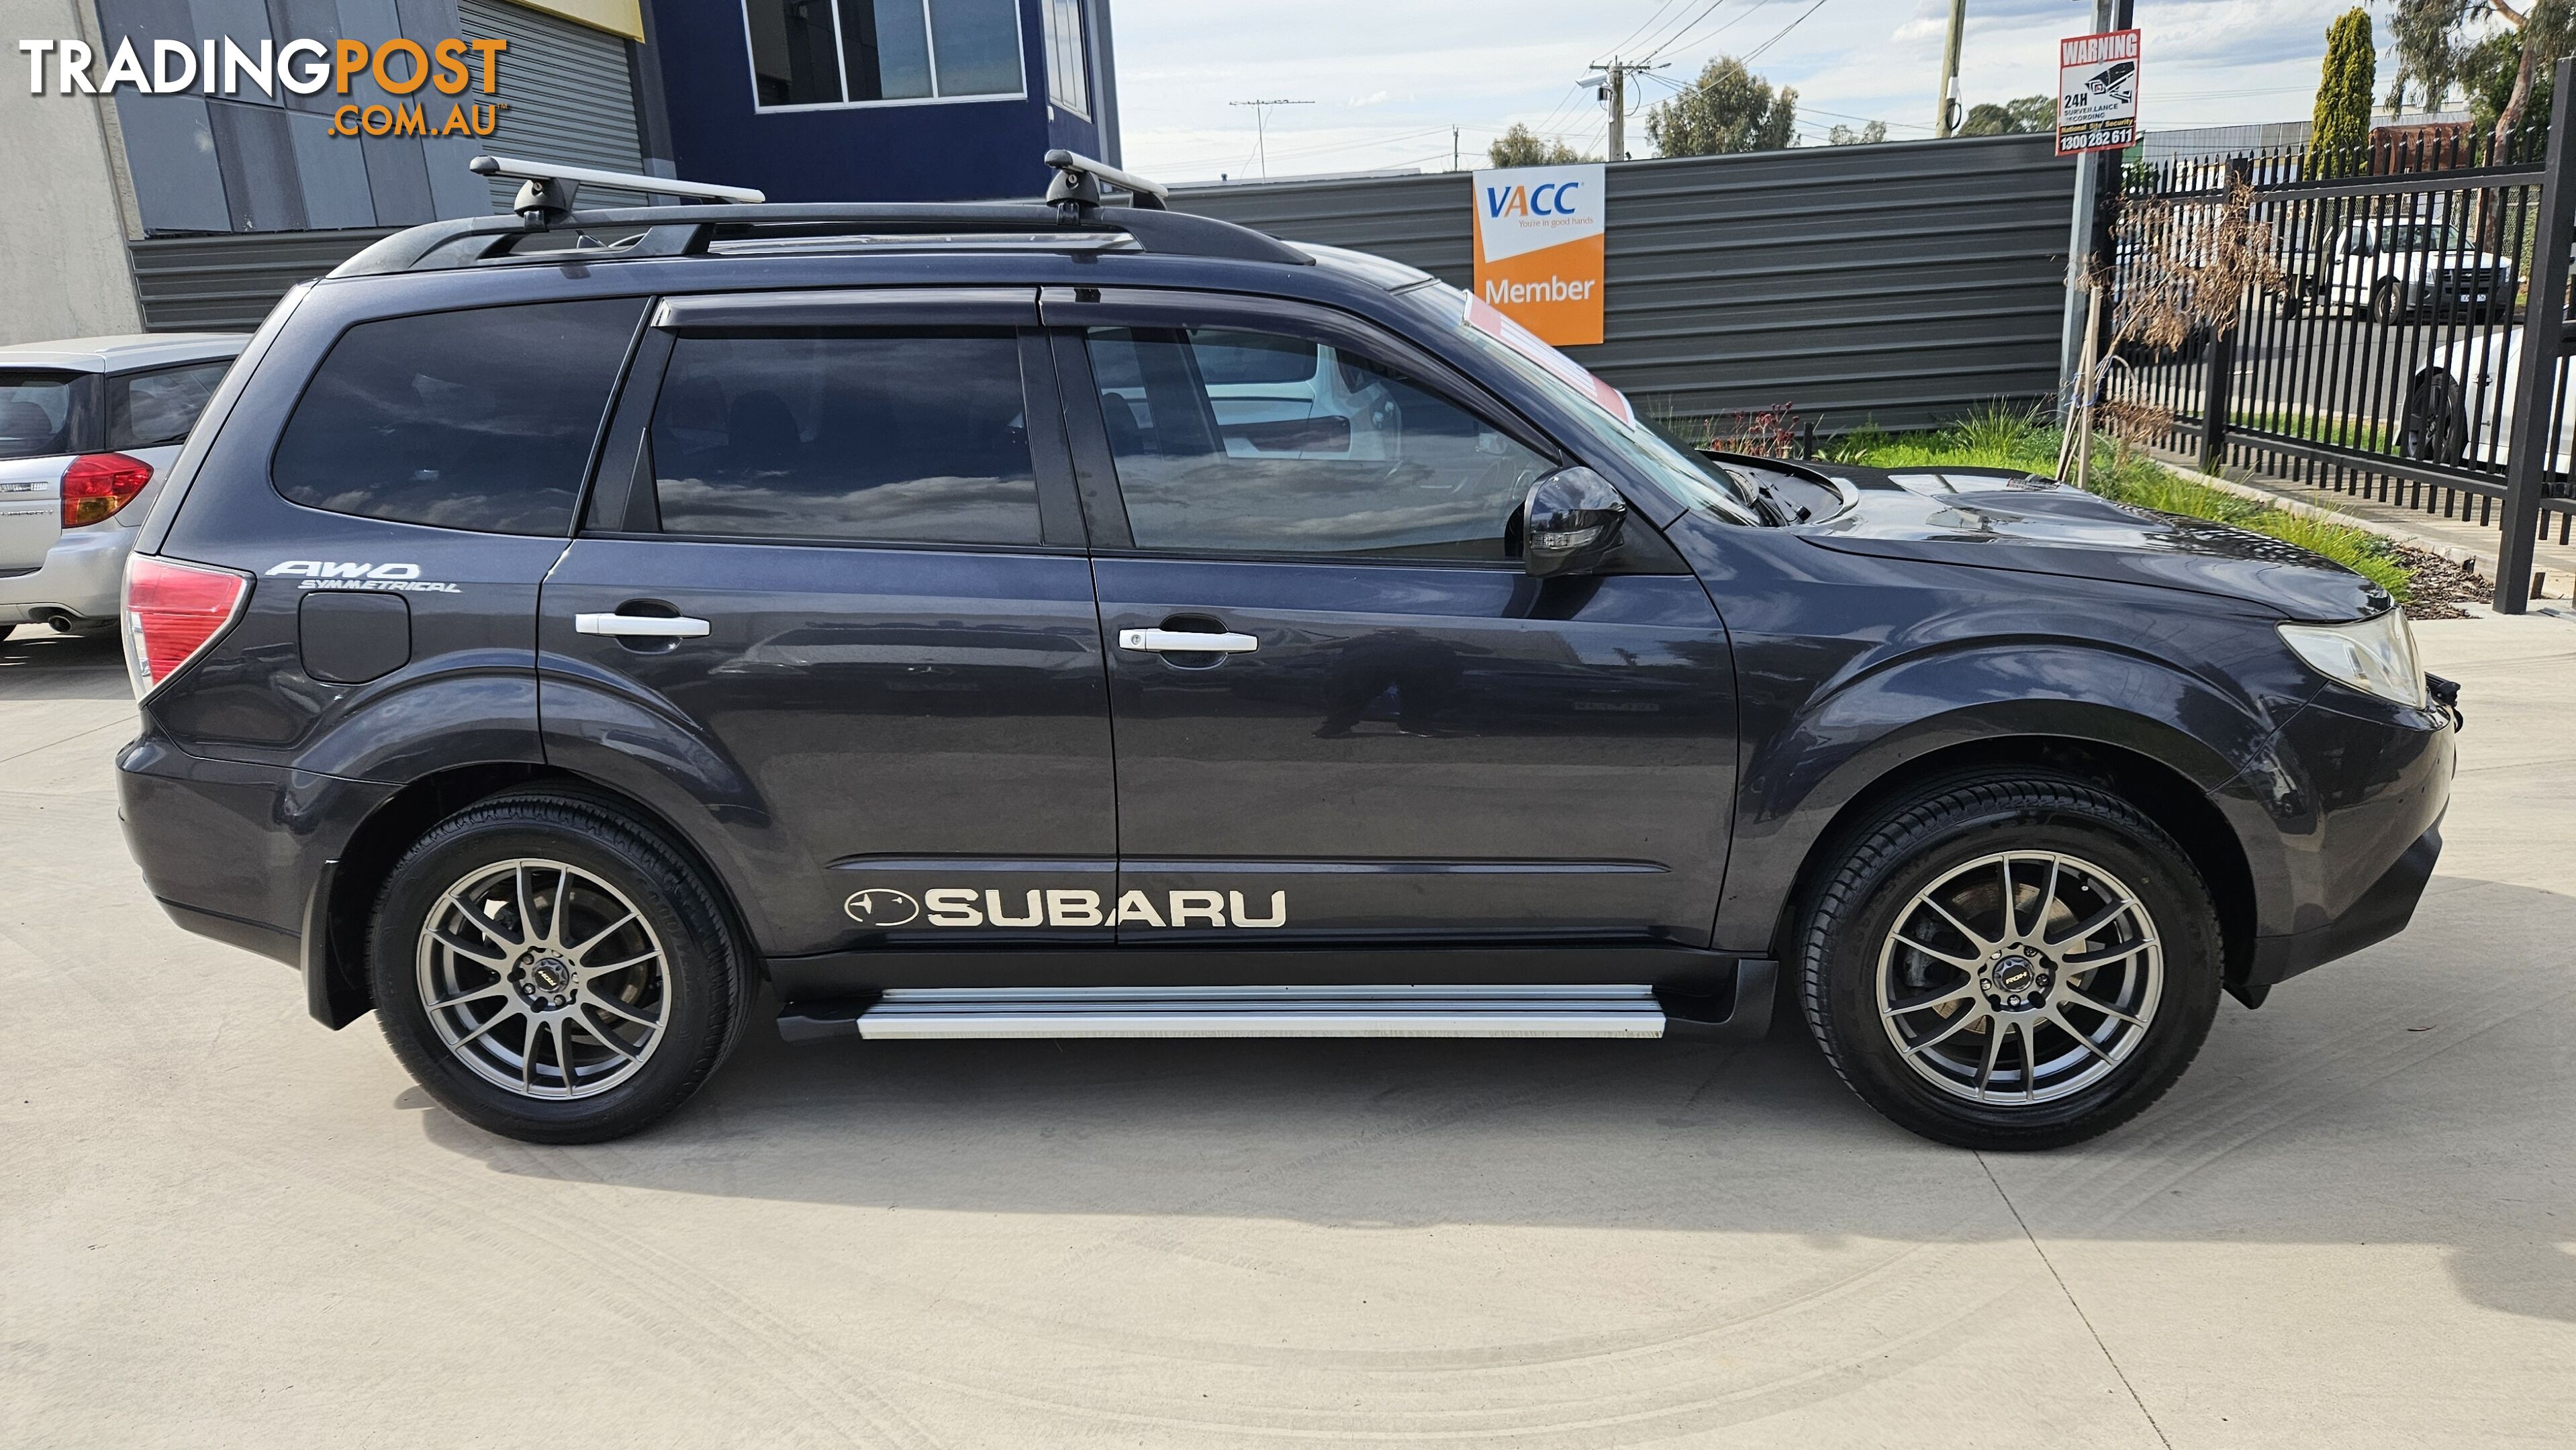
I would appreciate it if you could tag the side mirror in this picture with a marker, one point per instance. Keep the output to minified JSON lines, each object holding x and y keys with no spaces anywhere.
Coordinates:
{"x":1570,"y":523}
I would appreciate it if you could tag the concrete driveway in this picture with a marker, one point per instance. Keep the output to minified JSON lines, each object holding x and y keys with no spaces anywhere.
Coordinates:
{"x":2354,"y":1223}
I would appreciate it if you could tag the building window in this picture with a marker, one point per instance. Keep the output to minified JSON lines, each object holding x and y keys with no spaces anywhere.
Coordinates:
{"x":1068,"y":62}
{"x":855,"y":52}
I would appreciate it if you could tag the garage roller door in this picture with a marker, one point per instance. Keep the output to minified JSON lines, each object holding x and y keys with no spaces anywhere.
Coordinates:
{"x":571,"y":97}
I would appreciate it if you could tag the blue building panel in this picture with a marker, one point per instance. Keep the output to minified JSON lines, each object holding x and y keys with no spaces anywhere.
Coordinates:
{"x":882,"y":100}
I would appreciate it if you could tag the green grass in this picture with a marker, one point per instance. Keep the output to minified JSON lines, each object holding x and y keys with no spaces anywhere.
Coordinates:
{"x":1998,"y":438}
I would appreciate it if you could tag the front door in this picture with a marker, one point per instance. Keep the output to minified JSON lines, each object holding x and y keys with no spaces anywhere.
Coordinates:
{"x":1391,"y":735}
{"x":832,"y":603}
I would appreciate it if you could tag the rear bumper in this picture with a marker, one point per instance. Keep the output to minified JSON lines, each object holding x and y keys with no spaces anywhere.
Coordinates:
{"x":238,"y":852}
{"x":83,"y":575}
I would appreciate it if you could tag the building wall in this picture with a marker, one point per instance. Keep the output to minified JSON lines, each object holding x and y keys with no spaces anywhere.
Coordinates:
{"x":950,"y":150}
{"x":61,"y":231}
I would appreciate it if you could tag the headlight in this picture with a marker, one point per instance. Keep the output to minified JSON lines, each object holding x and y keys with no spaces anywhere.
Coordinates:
{"x":2376,"y":656}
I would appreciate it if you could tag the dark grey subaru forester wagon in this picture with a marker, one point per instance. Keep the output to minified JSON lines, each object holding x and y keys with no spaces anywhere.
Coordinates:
{"x":1085,"y":619}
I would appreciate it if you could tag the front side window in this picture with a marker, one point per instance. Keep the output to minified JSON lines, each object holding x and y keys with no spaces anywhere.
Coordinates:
{"x":1246,"y":442}
{"x":879,"y":437}
{"x":481,"y":418}
{"x":838,"y":52}
{"x":156,"y":410}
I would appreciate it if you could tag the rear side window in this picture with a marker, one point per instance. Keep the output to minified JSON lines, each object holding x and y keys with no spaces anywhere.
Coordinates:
{"x":36,"y":412}
{"x":892,"y":437}
{"x":479,"y":419}
{"x":156,"y":409}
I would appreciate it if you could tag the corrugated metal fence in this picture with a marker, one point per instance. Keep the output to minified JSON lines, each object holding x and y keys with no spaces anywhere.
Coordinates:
{"x":1900,"y":284}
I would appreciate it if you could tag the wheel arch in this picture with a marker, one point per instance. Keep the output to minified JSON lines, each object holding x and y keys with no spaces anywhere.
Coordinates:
{"x":2160,"y":791}
{"x":344,"y":896}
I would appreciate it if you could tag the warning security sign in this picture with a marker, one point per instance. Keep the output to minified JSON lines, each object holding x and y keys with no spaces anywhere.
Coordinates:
{"x":2097,"y":92}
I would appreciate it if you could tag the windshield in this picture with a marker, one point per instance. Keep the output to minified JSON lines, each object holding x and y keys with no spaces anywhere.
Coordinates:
{"x":2417,"y":237}
{"x":35,"y":413}
{"x":1600,"y":410}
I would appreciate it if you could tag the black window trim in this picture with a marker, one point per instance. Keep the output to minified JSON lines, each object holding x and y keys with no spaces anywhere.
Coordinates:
{"x":624,"y":491}
{"x":1071,"y":312}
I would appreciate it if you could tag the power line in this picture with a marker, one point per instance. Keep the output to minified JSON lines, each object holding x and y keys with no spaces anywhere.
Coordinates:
{"x":1784,"y":30}
{"x":1260,"y":133}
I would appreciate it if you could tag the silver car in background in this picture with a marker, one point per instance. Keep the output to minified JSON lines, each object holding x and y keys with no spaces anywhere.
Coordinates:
{"x":87,"y":428}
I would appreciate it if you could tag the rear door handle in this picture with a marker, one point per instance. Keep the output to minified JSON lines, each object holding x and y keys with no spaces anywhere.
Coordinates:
{"x":644,"y":626}
{"x":1179,"y":641}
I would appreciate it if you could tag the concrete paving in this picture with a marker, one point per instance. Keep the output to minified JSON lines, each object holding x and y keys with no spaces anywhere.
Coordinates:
{"x":2353,"y":1224}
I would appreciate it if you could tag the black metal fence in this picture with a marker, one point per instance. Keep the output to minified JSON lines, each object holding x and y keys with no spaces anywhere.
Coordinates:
{"x":2385,"y":360}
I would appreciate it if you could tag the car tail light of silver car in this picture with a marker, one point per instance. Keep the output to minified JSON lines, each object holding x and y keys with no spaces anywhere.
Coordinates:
{"x":99,"y":485}
{"x":2374,"y":655}
{"x":172,"y":612}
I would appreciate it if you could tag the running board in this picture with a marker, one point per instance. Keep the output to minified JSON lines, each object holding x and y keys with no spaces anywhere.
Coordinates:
{"x":957,"y":1013}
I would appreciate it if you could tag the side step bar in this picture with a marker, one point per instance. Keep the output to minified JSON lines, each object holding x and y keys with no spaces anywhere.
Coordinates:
{"x":954,"y":1013}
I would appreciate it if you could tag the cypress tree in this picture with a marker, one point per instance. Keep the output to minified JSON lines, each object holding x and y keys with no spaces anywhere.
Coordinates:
{"x":2339,"y":141}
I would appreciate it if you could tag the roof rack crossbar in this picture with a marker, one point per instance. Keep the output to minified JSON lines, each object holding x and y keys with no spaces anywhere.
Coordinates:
{"x":547,"y":195}
{"x":689,"y":230}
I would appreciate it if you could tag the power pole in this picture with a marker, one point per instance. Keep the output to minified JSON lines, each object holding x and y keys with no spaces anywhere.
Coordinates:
{"x":1612,"y":79}
{"x":1950,"y":71}
{"x":1260,"y":133}
{"x":1453,"y":148}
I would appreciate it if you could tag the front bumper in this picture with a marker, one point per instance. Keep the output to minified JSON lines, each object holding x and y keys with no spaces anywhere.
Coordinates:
{"x":83,"y":575}
{"x":2382,"y":912}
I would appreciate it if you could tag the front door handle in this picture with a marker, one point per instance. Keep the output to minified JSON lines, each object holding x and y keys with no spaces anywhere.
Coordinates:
{"x":639,"y":626}
{"x":1181,"y":641}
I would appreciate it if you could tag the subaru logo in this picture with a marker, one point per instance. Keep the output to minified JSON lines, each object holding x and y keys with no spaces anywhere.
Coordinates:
{"x":881,"y":907}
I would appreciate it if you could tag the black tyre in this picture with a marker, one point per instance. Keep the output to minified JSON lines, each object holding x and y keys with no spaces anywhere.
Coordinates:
{"x":2388,"y":304}
{"x":550,"y":971}
{"x":2436,"y":422}
{"x":2013,"y":962}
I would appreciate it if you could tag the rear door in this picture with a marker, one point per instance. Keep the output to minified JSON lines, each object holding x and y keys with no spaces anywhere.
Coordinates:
{"x":831,"y":605}
{"x":1394,"y":736}
{"x":46,"y":416}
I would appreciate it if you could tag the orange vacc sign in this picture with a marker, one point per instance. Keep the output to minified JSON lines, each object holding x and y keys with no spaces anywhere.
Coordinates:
{"x":1539,"y":249}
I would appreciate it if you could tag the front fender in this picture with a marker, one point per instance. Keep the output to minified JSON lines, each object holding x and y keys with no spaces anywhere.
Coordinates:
{"x":1803,"y":771}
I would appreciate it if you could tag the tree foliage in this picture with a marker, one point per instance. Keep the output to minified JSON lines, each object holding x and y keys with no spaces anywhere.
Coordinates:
{"x":2425,"y":37}
{"x":1520,"y":146}
{"x":1730,"y":109}
{"x":2012,"y":118}
{"x":2340,"y":137}
{"x":1869,"y":135}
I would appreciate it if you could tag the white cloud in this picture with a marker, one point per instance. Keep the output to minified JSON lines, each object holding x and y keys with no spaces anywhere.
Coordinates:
{"x":1421,"y":67}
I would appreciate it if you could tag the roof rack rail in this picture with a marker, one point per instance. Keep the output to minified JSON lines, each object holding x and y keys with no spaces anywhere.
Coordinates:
{"x":1073,"y":208}
{"x":546,"y":197}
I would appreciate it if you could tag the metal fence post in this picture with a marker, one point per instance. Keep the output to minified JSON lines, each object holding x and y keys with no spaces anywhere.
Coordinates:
{"x":2535,"y":384}
{"x":2220,"y":355}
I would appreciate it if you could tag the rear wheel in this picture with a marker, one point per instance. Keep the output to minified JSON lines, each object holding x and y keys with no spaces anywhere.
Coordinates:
{"x":551,"y":972}
{"x":2012,"y":962}
{"x":2436,"y":425}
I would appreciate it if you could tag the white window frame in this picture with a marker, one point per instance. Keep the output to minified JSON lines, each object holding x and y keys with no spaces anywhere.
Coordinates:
{"x":1082,"y":40}
{"x":841,"y":60}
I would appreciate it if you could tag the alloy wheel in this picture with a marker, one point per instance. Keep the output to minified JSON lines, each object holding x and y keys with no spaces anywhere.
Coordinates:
{"x":2020,"y":978}
{"x":543,"y":979}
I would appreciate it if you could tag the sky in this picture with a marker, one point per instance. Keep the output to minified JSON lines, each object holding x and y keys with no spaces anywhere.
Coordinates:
{"x":1388,"y":79}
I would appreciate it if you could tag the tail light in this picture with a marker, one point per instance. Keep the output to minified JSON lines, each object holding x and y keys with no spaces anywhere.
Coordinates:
{"x":97,"y":485}
{"x":172,"y":612}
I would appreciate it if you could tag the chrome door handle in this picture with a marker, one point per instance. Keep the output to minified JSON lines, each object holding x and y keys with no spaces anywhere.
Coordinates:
{"x":1176,"y":641}
{"x":645,"y":626}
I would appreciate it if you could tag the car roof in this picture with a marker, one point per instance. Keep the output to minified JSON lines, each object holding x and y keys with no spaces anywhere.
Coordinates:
{"x":123,"y":353}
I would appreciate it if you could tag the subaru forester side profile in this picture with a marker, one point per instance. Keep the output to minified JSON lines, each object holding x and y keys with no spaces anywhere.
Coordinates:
{"x":1083,"y":620}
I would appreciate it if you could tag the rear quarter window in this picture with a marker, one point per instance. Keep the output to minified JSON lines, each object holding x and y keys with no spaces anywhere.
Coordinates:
{"x":477,"y":419}
{"x":156,"y":409}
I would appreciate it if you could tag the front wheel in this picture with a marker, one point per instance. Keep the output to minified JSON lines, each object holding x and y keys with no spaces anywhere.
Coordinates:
{"x":2012,"y":962}
{"x":2436,"y":422}
{"x":552,"y":972}
{"x":2388,"y":304}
